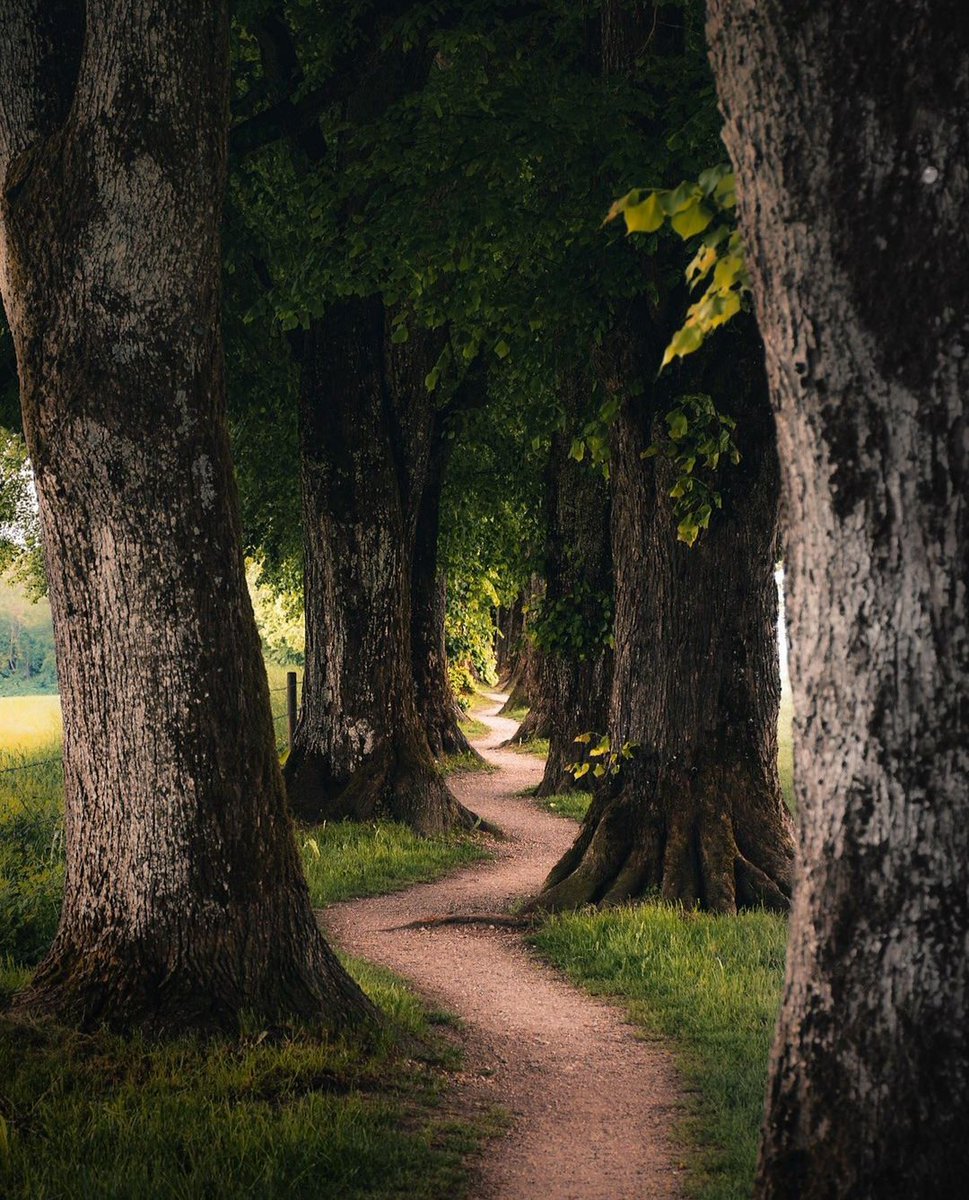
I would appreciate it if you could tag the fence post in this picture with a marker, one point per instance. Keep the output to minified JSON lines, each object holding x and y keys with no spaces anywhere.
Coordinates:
{"x":291,"y":705}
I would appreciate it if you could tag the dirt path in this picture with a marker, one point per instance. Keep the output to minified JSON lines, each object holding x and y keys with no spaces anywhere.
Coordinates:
{"x":592,"y":1104}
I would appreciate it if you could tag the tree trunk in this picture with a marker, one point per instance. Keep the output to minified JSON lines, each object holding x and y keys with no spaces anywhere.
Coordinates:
{"x":847,"y":128}
{"x":696,"y":813}
{"x":436,"y":704}
{"x":523,"y":683}
{"x":184,"y":902}
{"x":509,"y":627}
{"x":361,"y":750}
{"x":577,"y":666}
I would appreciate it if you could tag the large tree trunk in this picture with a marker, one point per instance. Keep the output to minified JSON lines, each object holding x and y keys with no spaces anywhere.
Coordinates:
{"x":436,"y":704}
{"x":696,"y":813}
{"x":361,"y":750}
{"x":184,"y":900}
{"x":576,"y":671}
{"x":523,"y":683}
{"x":847,"y":127}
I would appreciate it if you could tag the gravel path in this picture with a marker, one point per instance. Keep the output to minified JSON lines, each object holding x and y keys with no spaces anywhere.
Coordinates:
{"x":591,"y":1103}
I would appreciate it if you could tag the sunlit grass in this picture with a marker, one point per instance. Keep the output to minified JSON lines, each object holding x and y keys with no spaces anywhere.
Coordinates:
{"x":536,"y":746}
{"x":712,"y":986}
{"x":785,"y":748}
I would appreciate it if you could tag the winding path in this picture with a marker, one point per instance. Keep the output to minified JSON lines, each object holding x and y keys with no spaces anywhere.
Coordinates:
{"x":592,"y":1103}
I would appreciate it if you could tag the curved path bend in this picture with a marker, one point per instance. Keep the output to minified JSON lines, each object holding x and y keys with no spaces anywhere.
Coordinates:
{"x":592,"y":1104}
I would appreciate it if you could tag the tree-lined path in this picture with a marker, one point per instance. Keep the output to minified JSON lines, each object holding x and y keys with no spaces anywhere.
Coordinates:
{"x":594,"y":1106}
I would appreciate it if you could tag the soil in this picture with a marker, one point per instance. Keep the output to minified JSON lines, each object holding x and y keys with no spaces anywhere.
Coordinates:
{"x":591,"y":1103}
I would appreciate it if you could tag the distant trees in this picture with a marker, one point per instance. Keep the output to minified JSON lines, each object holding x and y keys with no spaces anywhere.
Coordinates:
{"x":184,"y":902}
{"x":846,"y":127}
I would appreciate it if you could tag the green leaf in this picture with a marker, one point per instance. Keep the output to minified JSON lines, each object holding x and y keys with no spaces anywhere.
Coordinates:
{"x":399,"y":335}
{"x":502,"y":349}
{"x":581,"y":770}
{"x":678,"y":424}
{"x":646,"y":217}
{"x":583,"y":738}
{"x":691,"y":220}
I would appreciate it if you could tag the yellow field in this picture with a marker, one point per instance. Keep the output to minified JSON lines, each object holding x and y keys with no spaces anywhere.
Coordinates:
{"x":30,"y":727}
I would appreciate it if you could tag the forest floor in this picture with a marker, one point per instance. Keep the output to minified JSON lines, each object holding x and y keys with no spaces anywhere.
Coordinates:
{"x":592,"y":1104}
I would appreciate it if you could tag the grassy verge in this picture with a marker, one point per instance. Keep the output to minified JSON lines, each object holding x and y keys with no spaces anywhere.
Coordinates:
{"x":455,"y":763}
{"x":536,"y":746}
{"x":471,"y":727}
{"x":709,"y":984}
{"x":344,"y":860}
{"x":572,"y":805}
{"x":257,"y":1117}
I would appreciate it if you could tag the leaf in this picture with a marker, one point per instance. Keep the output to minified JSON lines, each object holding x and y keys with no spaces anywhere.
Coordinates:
{"x":502,"y":349}
{"x":581,"y":770}
{"x":683,"y":342}
{"x":679,"y":198}
{"x":599,"y":771}
{"x":583,"y":738}
{"x":691,"y":220}
{"x":577,"y":450}
{"x":646,"y":217}
{"x":602,"y":748}
{"x":687,"y":531}
{"x":678,"y":424}
{"x":400,"y":334}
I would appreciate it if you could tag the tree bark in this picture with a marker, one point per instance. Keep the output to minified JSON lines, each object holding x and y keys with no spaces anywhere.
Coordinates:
{"x":846,"y":126}
{"x":184,"y":903}
{"x":361,"y":750}
{"x":696,"y":815}
{"x":523,"y":683}
{"x":509,"y":627}
{"x":436,"y":704}
{"x":576,"y":676}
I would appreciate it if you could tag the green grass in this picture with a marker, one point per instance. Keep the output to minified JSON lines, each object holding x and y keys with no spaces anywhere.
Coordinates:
{"x":471,"y":727}
{"x":457,"y":763}
{"x":256,"y":1117}
{"x":573,"y":805}
{"x":517,"y":714}
{"x":536,"y":746}
{"x":709,"y":984}
{"x":343,"y":860}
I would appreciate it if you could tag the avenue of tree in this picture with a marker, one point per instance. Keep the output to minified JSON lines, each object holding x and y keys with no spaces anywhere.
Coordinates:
{"x":441,"y":419}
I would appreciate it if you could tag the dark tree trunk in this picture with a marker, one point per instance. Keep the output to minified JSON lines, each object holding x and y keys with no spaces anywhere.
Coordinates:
{"x":509,"y":627}
{"x":523,"y":682}
{"x":184,"y":901}
{"x":436,"y":704}
{"x":847,"y":127}
{"x":361,"y":750}
{"x":696,"y":815}
{"x":576,"y":673}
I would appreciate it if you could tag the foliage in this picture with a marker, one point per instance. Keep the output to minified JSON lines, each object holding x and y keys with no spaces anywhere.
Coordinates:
{"x":279,"y":616}
{"x":27,"y":663}
{"x":20,"y":547}
{"x":578,"y":624}
{"x":712,"y":985}
{"x":702,"y":210}
{"x":600,"y":747}
{"x":697,"y":437}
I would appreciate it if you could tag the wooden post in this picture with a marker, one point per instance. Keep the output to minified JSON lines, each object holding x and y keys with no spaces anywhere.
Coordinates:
{"x":291,"y":705}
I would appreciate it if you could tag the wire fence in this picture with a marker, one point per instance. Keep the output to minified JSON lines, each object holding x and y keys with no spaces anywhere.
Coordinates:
{"x":287,"y":718}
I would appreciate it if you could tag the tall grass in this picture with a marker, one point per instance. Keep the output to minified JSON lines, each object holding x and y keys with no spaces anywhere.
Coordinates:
{"x":712,"y":986}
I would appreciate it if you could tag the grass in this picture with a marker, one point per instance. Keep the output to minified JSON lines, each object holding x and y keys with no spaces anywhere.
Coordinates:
{"x":456,"y":763}
{"x":343,"y":860}
{"x":536,"y":746}
{"x":471,"y":727}
{"x":572,"y":805}
{"x":256,"y":1117}
{"x":712,"y":986}
{"x":252,"y":1117}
